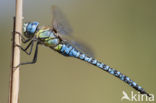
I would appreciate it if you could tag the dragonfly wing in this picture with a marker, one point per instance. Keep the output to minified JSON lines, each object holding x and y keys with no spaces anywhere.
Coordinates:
{"x":60,"y":23}
{"x":63,"y":28}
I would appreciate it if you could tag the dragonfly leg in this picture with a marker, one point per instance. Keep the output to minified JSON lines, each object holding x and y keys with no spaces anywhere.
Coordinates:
{"x":25,"y":49}
{"x":34,"y":58}
{"x":23,"y":39}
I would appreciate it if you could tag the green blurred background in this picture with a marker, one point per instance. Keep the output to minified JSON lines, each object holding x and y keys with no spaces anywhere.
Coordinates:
{"x":122,"y":34}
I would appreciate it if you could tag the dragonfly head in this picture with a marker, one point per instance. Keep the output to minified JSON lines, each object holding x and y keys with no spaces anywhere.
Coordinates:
{"x":30,"y":29}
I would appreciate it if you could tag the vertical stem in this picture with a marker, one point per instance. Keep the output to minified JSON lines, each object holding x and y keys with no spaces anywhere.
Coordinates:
{"x":14,"y":80}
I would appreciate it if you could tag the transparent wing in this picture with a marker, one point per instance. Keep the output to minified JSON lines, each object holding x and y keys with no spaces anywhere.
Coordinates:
{"x":63,"y":28}
{"x":60,"y":23}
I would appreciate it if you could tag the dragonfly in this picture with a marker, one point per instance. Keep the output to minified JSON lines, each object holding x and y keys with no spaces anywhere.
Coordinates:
{"x":56,"y":37}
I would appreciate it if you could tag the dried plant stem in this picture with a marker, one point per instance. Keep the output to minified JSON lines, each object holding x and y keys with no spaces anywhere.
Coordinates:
{"x":14,"y":80}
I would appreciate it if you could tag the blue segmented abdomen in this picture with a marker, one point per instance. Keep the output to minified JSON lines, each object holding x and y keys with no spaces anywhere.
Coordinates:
{"x":68,"y":50}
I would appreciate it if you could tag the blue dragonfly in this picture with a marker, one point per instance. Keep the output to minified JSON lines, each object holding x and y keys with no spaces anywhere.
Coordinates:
{"x":58,"y":38}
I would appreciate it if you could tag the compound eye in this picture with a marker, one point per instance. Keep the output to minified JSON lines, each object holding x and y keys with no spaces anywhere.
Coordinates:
{"x":31,"y":28}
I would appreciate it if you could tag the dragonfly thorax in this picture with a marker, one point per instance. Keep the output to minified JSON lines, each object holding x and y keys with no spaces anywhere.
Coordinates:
{"x":47,"y":36}
{"x":30,"y":28}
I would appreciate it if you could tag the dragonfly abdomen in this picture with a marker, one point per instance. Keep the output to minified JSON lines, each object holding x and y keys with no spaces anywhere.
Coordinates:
{"x":69,"y":50}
